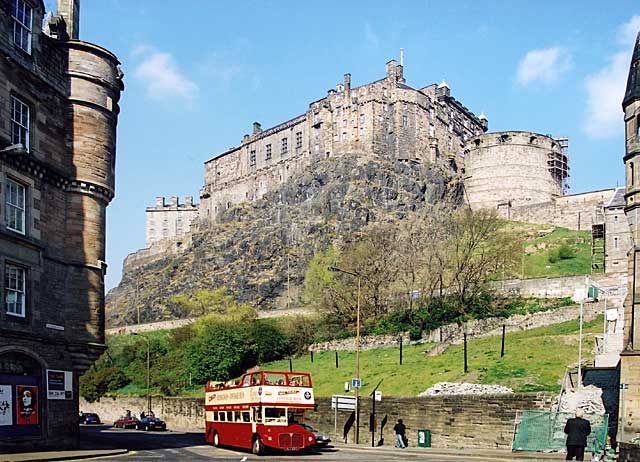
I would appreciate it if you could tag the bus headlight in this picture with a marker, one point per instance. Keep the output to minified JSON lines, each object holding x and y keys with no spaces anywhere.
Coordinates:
{"x":310,"y":438}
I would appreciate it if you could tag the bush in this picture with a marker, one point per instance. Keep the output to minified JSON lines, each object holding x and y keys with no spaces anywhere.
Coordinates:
{"x":96,"y":383}
{"x":566,"y":252}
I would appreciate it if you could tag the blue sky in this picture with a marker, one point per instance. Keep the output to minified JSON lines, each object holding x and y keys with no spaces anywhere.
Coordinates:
{"x":198,"y":73}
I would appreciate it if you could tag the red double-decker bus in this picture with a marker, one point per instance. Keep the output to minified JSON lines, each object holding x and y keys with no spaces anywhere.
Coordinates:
{"x":264,"y":410}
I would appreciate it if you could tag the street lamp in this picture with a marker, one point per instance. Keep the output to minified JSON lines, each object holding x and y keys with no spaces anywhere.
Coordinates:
{"x":357,"y":372}
{"x":148,"y":369}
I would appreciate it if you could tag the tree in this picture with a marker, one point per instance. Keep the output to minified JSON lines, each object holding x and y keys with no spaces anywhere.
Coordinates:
{"x":206,"y":301}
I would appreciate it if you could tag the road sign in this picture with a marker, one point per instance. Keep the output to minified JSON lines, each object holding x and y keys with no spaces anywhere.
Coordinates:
{"x":355,"y":383}
{"x":377,"y":395}
{"x":343,"y":403}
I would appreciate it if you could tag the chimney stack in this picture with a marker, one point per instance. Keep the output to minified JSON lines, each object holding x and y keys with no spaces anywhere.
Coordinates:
{"x":70,"y":11}
{"x":188,"y":201}
{"x":174,"y":201}
{"x":159,"y":202}
{"x":347,"y":83}
{"x":257,"y":128}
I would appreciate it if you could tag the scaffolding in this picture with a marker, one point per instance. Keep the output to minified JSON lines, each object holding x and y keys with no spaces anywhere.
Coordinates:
{"x":597,"y":247}
{"x":558,"y":164}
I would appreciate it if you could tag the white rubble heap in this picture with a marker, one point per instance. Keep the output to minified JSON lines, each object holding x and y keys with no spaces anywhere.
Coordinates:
{"x":452,"y":388}
{"x":588,"y":398}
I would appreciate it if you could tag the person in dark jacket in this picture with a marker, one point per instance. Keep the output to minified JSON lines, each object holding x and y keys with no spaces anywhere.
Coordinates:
{"x":577,"y":430}
{"x":400,"y":429}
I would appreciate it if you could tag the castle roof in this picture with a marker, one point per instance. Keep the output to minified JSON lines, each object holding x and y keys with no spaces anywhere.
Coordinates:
{"x":617,"y":200}
{"x":633,"y":83}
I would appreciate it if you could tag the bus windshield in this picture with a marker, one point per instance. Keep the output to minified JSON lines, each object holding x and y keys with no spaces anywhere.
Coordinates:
{"x":275,"y":415}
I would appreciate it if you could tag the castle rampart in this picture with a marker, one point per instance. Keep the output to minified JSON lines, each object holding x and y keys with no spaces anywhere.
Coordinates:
{"x":383,"y":118}
{"x":170,"y":220}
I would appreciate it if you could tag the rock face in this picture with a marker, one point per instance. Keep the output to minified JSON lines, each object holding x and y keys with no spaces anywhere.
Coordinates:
{"x":452,"y":388}
{"x":256,"y":247}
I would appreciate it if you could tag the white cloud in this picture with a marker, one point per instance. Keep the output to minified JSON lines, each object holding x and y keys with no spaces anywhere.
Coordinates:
{"x":605,"y":88}
{"x":162,"y":77}
{"x":545,"y":65}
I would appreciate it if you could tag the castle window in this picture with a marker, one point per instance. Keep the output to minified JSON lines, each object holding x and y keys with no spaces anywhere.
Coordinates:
{"x":334,"y":126}
{"x":615,"y":219}
{"x":344,"y":136}
{"x":405,"y":120}
{"x":252,"y":158}
{"x":344,"y":123}
{"x":638,"y":128}
{"x":361,"y":118}
{"x":615,"y":242}
{"x":268,"y":151}
{"x":284,"y":145}
{"x":631,"y":174}
{"x":361,"y":131}
{"x":298,"y":140}
{"x":15,"y":208}
{"x":338,"y":111}
{"x":432,"y":130}
{"x":336,"y":137}
{"x":22,"y":15}
{"x":19,"y":122}
{"x":14,"y":289}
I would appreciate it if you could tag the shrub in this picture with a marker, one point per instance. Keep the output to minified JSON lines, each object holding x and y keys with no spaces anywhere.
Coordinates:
{"x":96,"y":383}
{"x":566,"y":252}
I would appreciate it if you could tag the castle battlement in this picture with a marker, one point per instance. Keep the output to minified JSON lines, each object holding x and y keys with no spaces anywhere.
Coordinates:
{"x":170,"y":219}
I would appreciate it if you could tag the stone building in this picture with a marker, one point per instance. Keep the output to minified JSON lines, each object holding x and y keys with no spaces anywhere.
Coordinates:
{"x":617,"y":238}
{"x":58,"y":113}
{"x":170,"y":220}
{"x":385,"y":118}
{"x":630,"y":357}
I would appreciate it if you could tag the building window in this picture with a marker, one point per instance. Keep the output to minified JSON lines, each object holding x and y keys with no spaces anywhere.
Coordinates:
{"x":268,"y":154}
{"x":19,"y":123}
{"x":344,"y":136}
{"x":338,"y":111}
{"x":22,"y":16}
{"x":344,"y":122}
{"x":405,"y":120}
{"x":298,"y":140}
{"x":285,"y":147}
{"x":336,"y":136}
{"x":638,"y":128}
{"x":615,"y":242}
{"x":252,"y":158}
{"x":334,"y":126}
{"x":361,"y":118}
{"x":615,"y":219}
{"x":15,"y":194}
{"x":631,"y":174}
{"x":432,"y":130}
{"x":14,"y":288}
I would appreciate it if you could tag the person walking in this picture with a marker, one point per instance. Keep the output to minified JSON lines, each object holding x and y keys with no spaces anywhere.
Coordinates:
{"x":400,"y":429}
{"x":577,"y":430}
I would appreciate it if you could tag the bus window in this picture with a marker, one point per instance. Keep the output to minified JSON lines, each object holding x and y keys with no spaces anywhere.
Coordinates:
{"x":274,"y":379}
{"x":257,"y":415}
{"x":237,"y":417}
{"x":246,"y":381}
{"x":256,"y":379}
{"x":221,"y":416}
{"x":229,"y":416}
{"x":277,"y":415}
{"x":246,"y":416}
{"x":298,"y":380}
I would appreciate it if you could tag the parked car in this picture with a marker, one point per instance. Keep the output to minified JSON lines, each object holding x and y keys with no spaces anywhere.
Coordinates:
{"x":322,"y":439}
{"x":126,"y":422}
{"x":89,"y":418}
{"x":151,"y":423}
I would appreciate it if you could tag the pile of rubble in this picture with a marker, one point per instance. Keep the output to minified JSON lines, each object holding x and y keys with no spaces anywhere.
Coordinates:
{"x":452,"y":388}
{"x":588,"y":398}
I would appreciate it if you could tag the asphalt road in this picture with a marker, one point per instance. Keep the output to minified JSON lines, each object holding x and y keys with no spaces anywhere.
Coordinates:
{"x":187,"y":447}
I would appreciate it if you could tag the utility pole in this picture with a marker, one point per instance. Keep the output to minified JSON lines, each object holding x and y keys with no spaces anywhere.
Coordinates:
{"x":148,"y":369}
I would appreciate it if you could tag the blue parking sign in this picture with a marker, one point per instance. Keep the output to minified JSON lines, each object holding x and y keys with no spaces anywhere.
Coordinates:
{"x":355,"y":383}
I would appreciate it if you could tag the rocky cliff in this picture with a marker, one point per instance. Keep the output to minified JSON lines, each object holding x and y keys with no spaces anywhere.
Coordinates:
{"x":256,"y":248}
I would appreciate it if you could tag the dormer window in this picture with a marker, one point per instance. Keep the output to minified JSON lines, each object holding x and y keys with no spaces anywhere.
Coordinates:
{"x":22,"y":16}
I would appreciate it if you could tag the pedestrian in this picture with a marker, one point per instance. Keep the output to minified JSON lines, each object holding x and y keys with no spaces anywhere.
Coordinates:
{"x":400,"y":429}
{"x":577,"y":430}
{"x":142,"y":415}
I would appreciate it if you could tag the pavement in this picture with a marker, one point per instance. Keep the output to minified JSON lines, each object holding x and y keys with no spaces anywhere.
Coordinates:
{"x":497,"y":455}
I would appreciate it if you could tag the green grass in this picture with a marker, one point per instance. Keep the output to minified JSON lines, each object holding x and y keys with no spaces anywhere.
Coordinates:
{"x":537,"y":264}
{"x":535,"y":360}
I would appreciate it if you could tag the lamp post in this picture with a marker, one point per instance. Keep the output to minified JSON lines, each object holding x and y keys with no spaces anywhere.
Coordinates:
{"x":357,"y":371}
{"x":148,"y":369}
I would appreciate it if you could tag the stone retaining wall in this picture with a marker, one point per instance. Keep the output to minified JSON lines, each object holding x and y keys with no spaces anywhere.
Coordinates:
{"x":477,"y":328}
{"x":465,"y":421}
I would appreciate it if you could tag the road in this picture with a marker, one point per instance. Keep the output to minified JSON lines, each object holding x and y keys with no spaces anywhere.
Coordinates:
{"x":187,"y":447}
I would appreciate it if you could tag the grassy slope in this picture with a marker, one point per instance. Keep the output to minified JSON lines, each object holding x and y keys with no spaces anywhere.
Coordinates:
{"x":534,"y":360}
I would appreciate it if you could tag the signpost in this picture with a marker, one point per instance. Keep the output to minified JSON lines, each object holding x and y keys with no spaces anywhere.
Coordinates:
{"x":342,"y":403}
{"x":355,"y":383}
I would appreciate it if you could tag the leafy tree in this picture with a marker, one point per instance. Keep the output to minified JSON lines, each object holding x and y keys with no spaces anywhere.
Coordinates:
{"x":96,"y":383}
{"x":205,"y":301}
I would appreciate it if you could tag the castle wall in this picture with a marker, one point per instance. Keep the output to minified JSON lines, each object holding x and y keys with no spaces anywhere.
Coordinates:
{"x":169,"y":220}
{"x":510,"y":169}
{"x":383,"y":118}
{"x":617,"y":240}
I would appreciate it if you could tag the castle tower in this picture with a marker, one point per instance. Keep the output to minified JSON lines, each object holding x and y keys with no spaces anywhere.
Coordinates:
{"x":630,"y":357}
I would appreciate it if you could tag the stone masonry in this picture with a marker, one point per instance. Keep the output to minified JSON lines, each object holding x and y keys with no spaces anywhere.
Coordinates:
{"x":385,"y":118}
{"x":170,"y":220}
{"x":58,"y":114}
{"x":460,"y":421}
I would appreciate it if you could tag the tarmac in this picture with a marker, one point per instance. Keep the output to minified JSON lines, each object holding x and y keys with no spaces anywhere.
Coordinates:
{"x":497,"y":455}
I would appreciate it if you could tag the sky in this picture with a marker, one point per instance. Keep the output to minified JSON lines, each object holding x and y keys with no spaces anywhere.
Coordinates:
{"x":198,"y":73}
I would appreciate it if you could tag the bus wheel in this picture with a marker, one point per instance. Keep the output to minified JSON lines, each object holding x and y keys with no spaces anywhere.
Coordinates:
{"x":216,"y":440}
{"x":257,"y":447}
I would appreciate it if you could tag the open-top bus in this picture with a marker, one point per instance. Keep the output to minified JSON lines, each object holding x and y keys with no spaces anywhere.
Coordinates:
{"x":263,"y":410}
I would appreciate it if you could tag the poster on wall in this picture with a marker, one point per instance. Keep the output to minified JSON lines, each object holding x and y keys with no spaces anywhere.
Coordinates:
{"x":27,"y":404}
{"x":6,"y":405}
{"x":59,"y":384}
